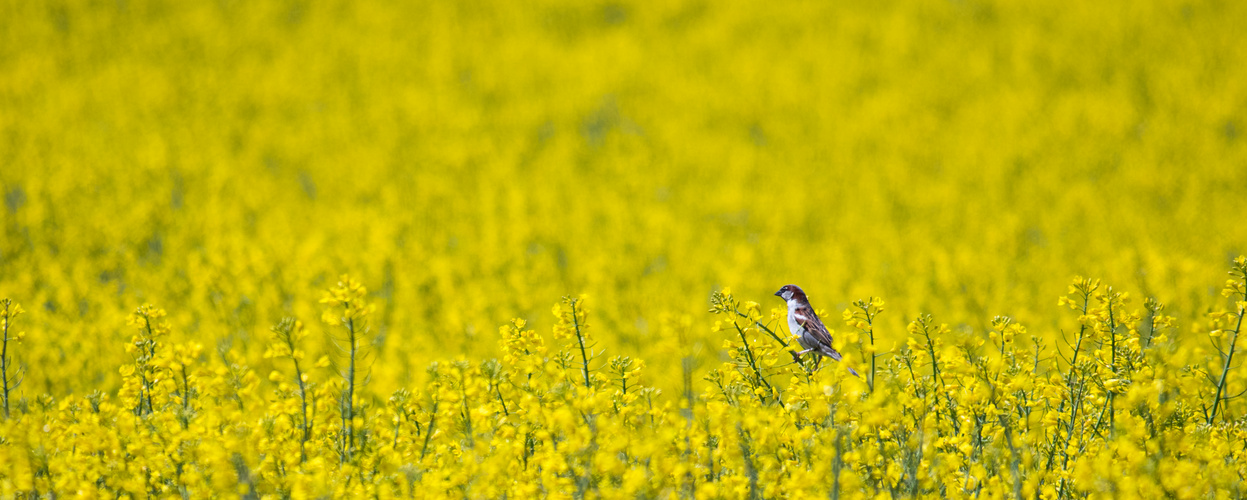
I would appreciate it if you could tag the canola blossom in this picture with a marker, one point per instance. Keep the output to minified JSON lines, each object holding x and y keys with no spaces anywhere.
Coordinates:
{"x":483,"y":250}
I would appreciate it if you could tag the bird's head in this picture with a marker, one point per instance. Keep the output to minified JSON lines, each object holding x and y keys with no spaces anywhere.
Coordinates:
{"x":791,"y":292}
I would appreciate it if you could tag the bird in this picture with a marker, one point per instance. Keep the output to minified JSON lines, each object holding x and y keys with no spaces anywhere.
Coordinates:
{"x":804,"y":323}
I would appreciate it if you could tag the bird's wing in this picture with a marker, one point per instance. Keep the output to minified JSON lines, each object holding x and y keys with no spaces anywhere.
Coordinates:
{"x":806,"y":317}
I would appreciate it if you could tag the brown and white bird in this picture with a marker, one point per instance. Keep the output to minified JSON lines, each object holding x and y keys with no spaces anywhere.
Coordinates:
{"x":804,"y":323}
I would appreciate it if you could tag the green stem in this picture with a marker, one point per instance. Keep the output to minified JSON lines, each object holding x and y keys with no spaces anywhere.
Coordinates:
{"x":938,"y":377}
{"x":307,"y":430}
{"x":186,"y":398}
{"x":1225,"y":370}
{"x":871,"y":381}
{"x":765,"y":329}
{"x":348,"y":423}
{"x":4,"y":357}
{"x":498,"y":390}
{"x":1112,"y":335}
{"x":753,"y":364}
{"x":584,"y":358}
{"x":1069,"y":378}
{"x":428,"y":433}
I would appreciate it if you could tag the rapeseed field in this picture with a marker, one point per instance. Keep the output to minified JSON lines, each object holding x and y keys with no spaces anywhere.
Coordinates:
{"x":472,"y":249}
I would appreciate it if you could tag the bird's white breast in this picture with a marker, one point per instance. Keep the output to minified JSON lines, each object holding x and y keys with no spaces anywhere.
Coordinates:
{"x":804,"y":338}
{"x":793,"y":326}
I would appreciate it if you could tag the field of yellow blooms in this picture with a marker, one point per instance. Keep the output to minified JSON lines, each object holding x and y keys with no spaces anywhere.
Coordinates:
{"x":484,"y":249}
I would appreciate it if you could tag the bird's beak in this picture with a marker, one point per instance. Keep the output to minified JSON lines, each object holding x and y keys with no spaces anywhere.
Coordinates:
{"x":780,"y":293}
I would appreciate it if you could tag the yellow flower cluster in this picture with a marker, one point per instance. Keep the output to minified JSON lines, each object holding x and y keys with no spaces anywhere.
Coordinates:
{"x":1105,"y":412}
{"x":181,"y":182}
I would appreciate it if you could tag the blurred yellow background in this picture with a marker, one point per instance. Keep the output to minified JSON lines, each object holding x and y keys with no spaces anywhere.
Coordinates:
{"x":472,"y":162}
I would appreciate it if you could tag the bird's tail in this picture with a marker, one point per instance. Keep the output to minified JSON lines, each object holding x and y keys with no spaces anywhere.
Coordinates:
{"x":829,"y":352}
{"x":835,"y":355}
